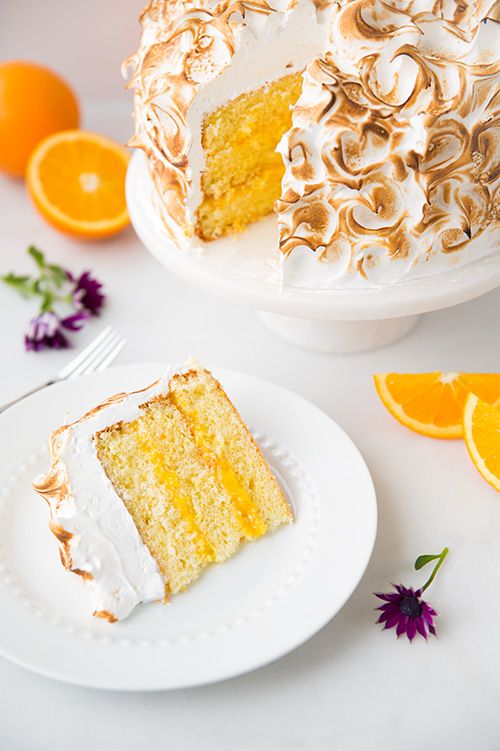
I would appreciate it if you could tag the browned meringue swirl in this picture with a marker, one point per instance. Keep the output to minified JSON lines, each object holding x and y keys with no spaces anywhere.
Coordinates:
{"x":396,"y":137}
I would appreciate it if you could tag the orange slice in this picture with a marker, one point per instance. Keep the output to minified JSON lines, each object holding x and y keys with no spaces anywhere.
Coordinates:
{"x":433,"y":403}
{"x":482,"y":437}
{"x":77,"y":182}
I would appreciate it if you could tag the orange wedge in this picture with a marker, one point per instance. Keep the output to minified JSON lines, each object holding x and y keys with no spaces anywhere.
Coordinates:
{"x":482,"y":437}
{"x":77,"y":181}
{"x":433,"y":403}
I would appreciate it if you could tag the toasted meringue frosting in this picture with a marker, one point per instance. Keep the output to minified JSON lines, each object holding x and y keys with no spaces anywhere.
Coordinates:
{"x":97,"y":537}
{"x":392,"y":160}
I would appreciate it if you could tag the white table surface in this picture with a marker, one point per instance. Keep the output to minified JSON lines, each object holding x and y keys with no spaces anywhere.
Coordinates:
{"x":351,"y":687}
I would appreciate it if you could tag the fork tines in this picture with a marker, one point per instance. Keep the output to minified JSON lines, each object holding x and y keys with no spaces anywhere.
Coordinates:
{"x":96,"y":356}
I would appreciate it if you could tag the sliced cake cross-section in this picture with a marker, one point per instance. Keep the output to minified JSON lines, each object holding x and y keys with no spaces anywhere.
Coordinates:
{"x":148,"y":488}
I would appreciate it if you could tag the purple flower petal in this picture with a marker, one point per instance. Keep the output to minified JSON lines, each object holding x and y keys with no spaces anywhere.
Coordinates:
{"x":427,"y":608}
{"x":411,"y":630}
{"x":391,"y":622}
{"x":389,"y":606}
{"x":75,"y":321}
{"x":428,"y":616}
{"x":392,"y":597}
{"x":59,"y":341}
{"x":421,"y":627}
{"x":386,"y":616}
{"x":87,"y":294}
{"x":402,"y":625}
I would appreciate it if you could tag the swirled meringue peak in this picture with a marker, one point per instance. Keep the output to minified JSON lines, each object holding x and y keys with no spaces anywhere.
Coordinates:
{"x":392,"y":161}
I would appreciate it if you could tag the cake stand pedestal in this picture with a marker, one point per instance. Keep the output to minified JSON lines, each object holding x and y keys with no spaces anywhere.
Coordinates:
{"x":245,"y":269}
{"x":337,"y":336}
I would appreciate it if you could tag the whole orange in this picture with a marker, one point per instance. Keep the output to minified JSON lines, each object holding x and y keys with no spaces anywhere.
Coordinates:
{"x":34,"y":103}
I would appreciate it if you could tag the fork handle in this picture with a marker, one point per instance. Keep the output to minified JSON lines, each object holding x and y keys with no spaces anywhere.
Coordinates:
{"x":23,"y":396}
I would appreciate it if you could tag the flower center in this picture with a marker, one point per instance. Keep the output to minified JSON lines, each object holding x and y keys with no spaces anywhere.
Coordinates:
{"x":410,"y":606}
{"x":89,"y":182}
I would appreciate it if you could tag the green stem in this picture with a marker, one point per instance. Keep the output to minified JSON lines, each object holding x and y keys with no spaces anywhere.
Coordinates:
{"x":436,"y":569}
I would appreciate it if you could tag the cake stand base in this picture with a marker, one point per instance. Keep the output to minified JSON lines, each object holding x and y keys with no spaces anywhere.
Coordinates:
{"x":338,"y":336}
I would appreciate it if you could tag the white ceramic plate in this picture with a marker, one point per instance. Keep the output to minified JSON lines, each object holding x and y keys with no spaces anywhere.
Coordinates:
{"x":272,"y":596}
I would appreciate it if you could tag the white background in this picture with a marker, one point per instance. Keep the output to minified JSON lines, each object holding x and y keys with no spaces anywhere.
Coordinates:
{"x":350,"y":687}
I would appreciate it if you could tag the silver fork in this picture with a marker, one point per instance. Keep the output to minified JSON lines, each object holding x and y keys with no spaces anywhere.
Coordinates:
{"x":99,"y":354}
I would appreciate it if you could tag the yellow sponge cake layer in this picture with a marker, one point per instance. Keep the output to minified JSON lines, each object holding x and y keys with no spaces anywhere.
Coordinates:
{"x":192,"y":478}
{"x":241,"y":205}
{"x":177,"y":506}
{"x":242,"y":177}
{"x":227,"y":445}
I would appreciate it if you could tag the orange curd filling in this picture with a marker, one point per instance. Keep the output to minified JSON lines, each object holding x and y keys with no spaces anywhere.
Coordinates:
{"x":252,"y":524}
{"x":170,"y":481}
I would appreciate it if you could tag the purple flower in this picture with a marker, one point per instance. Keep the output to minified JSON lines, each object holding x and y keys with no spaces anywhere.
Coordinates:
{"x":54,"y":285}
{"x":45,"y":331}
{"x":87,"y":293}
{"x":406,"y":610}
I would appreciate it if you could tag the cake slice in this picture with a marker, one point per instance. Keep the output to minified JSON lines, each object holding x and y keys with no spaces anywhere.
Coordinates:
{"x":150,"y":487}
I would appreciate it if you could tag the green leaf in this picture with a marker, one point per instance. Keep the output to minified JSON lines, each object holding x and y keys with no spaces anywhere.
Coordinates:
{"x":58,"y":274}
{"x":47,"y":302}
{"x":37,"y":256}
{"x":15,"y":279}
{"x":426,"y":558}
{"x":423,"y":560}
{"x":23,"y":284}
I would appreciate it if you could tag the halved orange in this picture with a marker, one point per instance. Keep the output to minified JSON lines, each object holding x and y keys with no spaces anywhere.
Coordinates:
{"x":433,"y":403}
{"x":481,"y":425}
{"x":77,"y":182}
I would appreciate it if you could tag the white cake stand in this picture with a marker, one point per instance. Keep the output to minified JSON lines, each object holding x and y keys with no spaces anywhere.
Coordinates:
{"x":245,"y":269}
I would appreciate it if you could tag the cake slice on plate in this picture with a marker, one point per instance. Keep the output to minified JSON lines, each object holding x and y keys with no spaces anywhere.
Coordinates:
{"x":150,"y":487}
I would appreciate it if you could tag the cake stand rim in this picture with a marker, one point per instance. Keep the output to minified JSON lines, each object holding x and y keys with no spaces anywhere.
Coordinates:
{"x":408,"y":298}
